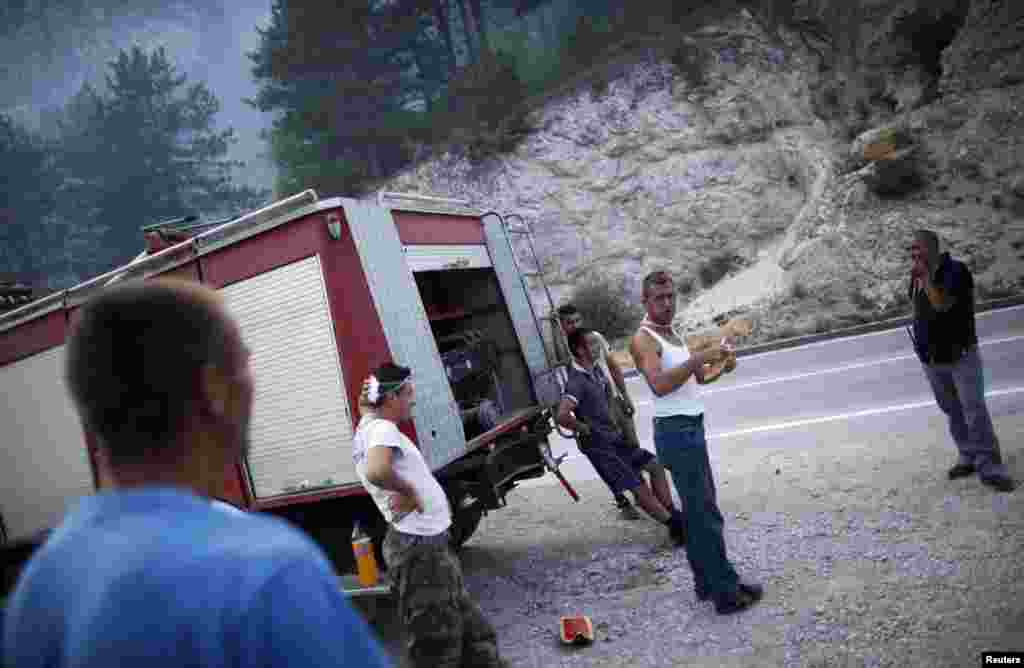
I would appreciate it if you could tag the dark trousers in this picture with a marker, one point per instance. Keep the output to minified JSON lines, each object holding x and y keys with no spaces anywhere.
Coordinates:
{"x":682,"y":449}
{"x":960,"y":392}
{"x":444,"y":628}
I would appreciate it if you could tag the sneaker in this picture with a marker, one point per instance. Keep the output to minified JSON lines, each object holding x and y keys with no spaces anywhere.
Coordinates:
{"x":677,"y":528}
{"x":961,"y":471}
{"x":745,"y":596}
{"x":1000,"y":483}
{"x":754,"y":590}
{"x":628,"y":512}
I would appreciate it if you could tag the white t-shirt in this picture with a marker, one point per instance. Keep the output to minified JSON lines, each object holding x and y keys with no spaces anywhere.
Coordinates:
{"x":409,"y":464}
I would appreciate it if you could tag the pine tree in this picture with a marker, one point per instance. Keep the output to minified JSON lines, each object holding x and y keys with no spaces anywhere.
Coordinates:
{"x":144,"y":150}
{"x":25,"y":198}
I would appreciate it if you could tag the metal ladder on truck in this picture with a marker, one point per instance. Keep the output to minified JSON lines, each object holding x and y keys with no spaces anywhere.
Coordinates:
{"x":551,"y":377}
{"x":557,"y":373}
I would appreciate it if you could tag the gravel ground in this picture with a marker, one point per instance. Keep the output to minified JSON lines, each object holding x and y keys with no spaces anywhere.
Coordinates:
{"x":869,"y":557}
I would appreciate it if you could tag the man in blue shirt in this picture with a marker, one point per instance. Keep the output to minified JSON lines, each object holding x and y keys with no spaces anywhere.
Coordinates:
{"x":151,"y":573}
{"x":585,"y":409}
{"x":946,"y":342}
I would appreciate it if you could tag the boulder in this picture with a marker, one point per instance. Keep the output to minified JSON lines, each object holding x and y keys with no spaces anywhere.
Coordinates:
{"x":879,"y":144}
{"x":895,"y":173}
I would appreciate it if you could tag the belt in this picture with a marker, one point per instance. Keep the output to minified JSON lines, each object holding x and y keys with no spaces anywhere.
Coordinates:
{"x":685,"y":419}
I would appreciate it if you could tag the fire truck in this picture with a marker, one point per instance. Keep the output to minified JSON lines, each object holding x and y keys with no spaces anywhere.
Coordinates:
{"x":324,"y":291}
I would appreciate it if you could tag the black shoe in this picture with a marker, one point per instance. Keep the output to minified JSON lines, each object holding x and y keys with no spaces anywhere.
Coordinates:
{"x":627,"y":511}
{"x":744,"y":597}
{"x":755,"y":591}
{"x":677,"y":528}
{"x":961,"y":471}
{"x":1000,"y":483}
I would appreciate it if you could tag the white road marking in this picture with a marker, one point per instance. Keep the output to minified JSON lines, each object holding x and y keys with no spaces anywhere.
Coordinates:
{"x":836,"y":418}
{"x":837,"y":369}
{"x":849,"y":416}
{"x":847,"y":339}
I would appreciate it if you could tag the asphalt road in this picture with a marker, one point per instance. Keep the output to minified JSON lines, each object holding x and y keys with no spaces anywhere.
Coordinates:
{"x":830,"y":464}
{"x":865,"y":382}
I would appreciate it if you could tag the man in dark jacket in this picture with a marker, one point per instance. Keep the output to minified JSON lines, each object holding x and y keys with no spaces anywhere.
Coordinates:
{"x":946,"y":342}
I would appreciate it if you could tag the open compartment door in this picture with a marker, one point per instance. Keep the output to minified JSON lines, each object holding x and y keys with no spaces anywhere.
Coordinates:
{"x":407,"y":330}
{"x":545,"y":382}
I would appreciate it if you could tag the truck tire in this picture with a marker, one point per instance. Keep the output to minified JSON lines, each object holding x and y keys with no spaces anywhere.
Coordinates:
{"x":464,"y":521}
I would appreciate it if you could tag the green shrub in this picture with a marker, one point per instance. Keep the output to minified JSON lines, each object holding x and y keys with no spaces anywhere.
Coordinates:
{"x":691,"y":63}
{"x":607,"y":307}
{"x":536,"y":67}
{"x":484,"y":110}
{"x":861,"y":300}
{"x":716,"y":268}
{"x":590,"y":37}
{"x":896,"y":136}
{"x":788,"y":332}
{"x":486,"y":91}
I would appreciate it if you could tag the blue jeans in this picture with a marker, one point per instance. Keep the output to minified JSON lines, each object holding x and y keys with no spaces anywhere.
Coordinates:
{"x":960,"y":392}
{"x":681,"y":448}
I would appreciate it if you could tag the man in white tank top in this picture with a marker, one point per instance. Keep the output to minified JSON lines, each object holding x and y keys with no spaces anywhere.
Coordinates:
{"x":444,"y":628}
{"x":672,"y":373}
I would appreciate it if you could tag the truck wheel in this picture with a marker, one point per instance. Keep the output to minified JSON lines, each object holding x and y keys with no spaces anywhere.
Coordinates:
{"x":464,"y":521}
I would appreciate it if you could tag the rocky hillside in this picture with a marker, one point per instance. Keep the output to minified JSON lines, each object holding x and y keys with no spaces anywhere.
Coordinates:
{"x":768,"y":180}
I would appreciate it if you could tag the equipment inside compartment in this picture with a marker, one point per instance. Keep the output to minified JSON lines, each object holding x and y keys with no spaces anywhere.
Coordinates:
{"x":478,"y":345}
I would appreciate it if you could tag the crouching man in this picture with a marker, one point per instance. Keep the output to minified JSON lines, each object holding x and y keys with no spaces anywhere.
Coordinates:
{"x":586,"y":409}
{"x":445,"y":629}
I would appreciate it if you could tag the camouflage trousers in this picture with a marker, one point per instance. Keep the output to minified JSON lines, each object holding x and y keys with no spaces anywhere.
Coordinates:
{"x":444,"y":628}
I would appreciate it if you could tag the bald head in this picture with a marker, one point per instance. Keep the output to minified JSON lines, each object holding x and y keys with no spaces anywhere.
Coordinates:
{"x":136,"y":360}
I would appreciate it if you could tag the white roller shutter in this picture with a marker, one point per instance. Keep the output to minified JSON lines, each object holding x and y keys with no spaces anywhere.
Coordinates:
{"x":301,"y":428}
{"x":439,"y":257}
{"x":44,"y":464}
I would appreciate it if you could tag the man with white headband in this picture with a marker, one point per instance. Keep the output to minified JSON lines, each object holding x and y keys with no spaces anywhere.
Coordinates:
{"x":443,"y":626}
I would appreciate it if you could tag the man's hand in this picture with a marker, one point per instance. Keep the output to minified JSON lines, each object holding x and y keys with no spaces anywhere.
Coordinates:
{"x":711,"y":372}
{"x":403,"y":504}
{"x":364,"y":400}
{"x":920,"y":270}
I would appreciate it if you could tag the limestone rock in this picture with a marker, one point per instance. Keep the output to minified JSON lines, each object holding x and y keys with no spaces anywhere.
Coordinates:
{"x":1017,"y":185}
{"x":988,"y":51}
{"x":652,"y":175}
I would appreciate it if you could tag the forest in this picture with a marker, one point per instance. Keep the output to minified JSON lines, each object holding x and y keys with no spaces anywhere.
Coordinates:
{"x":354,"y":92}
